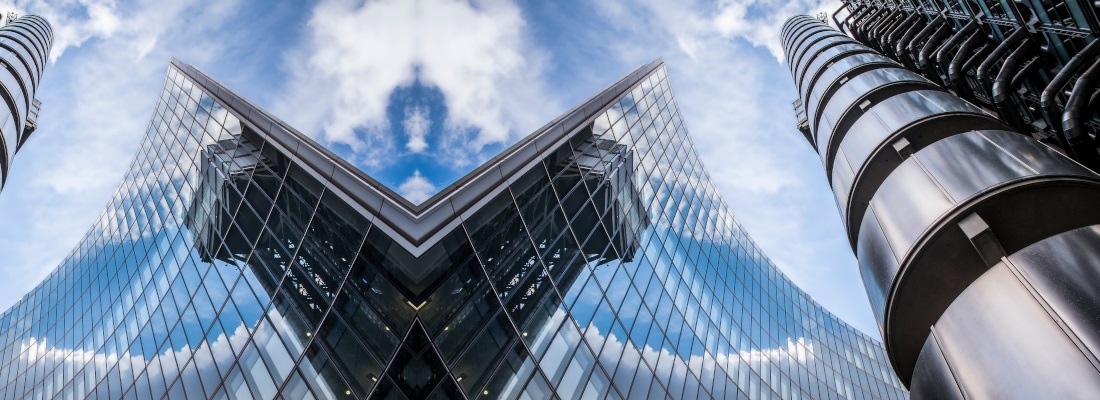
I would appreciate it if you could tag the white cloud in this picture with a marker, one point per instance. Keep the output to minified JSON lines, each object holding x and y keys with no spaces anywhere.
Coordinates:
{"x":479,"y":56}
{"x":476,"y":53}
{"x":98,"y":97}
{"x":204,"y":359}
{"x":760,"y":21}
{"x":736,"y":102}
{"x":417,"y":125}
{"x":670,"y":366}
{"x":416,"y":188}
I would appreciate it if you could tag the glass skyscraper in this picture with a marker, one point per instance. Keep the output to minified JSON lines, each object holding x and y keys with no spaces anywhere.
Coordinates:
{"x":593,"y":259}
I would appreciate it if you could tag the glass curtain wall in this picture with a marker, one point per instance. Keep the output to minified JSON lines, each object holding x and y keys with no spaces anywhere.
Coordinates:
{"x":609,"y":267}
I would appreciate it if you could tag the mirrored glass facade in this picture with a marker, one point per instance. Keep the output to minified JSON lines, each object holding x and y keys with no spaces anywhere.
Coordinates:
{"x":593,"y":259}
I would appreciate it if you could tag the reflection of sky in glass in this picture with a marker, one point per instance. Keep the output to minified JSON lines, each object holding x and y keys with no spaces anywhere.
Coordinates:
{"x":612,"y":268}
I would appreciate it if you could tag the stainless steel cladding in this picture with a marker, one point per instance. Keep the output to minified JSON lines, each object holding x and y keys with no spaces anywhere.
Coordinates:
{"x":979,"y":246}
{"x":24,"y":50}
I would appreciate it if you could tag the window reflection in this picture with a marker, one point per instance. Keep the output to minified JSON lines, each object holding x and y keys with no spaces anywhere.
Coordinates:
{"x":610,"y":269}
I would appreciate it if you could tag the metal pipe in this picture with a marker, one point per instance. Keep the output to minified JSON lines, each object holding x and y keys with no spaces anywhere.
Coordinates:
{"x":857,"y":23}
{"x":891,"y":40}
{"x":1002,"y":87}
{"x":1076,"y":112}
{"x":868,"y":29}
{"x":879,"y":31}
{"x":882,"y":17}
{"x":970,"y":64}
{"x":955,"y":71}
{"x":888,"y":30}
{"x":978,"y":57}
{"x":1048,"y":100}
{"x":911,"y":46}
{"x":904,"y":41}
{"x":840,"y":25}
{"x":932,"y":46}
{"x":861,"y":29}
{"x":952,"y":42}
{"x":856,"y":16}
{"x":1027,"y":70}
{"x":1004,"y":47}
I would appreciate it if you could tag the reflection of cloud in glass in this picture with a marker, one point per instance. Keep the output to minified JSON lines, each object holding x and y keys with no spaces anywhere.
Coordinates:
{"x":623,"y":360}
{"x":612,"y":266}
{"x":666,"y":362}
{"x":261,"y":359}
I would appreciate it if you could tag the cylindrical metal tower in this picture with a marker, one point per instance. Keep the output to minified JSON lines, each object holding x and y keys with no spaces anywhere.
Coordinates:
{"x":979,"y":246}
{"x":24,"y":50}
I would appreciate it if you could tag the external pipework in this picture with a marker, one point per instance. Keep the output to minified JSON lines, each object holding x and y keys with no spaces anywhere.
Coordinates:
{"x":955,"y":71}
{"x":885,"y":31}
{"x":903,"y":43}
{"x":911,"y":48}
{"x":979,"y":247}
{"x":855,"y":16}
{"x":994,"y":56}
{"x":1022,"y":75}
{"x":857,"y":22}
{"x":1048,"y":100}
{"x":860,"y":32}
{"x":941,"y":55}
{"x":881,"y":18}
{"x":883,"y":27}
{"x":838,"y":23}
{"x":1076,"y":113}
{"x":890,"y":42}
{"x":931,"y":47}
{"x":1003,"y":86}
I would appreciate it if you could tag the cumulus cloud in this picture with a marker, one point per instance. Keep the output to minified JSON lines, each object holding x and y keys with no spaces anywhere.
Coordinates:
{"x":476,"y":53}
{"x":201,"y":360}
{"x":760,"y":21}
{"x":735,"y":96}
{"x":98,"y":96}
{"x":670,"y":366}
{"x":416,"y":188}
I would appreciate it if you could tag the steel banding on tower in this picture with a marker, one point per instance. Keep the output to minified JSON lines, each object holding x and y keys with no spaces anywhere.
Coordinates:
{"x":24,"y":50}
{"x":978,"y":245}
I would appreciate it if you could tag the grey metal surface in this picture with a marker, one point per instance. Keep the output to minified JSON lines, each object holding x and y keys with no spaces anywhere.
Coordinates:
{"x":932,"y":377}
{"x":825,"y":50}
{"x":24,"y":49}
{"x":1001,"y":343}
{"x":934,"y":192}
{"x":859,"y":86}
{"x":835,"y":77}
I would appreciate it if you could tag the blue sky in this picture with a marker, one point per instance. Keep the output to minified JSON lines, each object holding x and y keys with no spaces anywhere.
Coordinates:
{"x":419,"y":92}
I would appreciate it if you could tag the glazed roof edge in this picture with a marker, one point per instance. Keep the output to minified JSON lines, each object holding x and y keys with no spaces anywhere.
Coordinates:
{"x":417,"y":226}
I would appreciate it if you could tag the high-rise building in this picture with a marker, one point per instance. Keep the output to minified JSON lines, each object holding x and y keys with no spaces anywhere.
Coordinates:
{"x":593,"y":259}
{"x":979,"y":245}
{"x":24,"y":49}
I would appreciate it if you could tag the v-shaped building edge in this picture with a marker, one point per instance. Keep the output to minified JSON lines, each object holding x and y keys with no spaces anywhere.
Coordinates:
{"x":420,"y":226}
{"x":593,"y":259}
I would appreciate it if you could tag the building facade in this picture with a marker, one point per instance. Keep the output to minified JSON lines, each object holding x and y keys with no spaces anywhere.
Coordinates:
{"x":24,"y":49}
{"x":593,"y":259}
{"x":976,"y":241}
